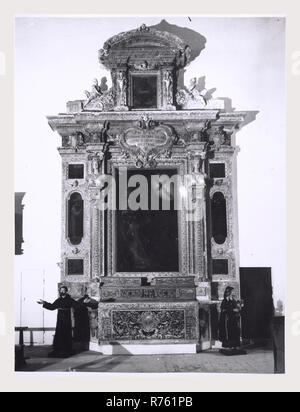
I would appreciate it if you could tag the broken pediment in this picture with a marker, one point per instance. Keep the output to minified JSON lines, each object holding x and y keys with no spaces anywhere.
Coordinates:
{"x":147,"y":68}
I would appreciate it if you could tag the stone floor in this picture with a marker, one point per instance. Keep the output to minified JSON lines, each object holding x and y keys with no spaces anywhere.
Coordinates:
{"x":257,"y":361}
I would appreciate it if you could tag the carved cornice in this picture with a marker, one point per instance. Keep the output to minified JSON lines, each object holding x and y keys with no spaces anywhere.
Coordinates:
{"x":83,"y":129}
{"x":68,"y":123}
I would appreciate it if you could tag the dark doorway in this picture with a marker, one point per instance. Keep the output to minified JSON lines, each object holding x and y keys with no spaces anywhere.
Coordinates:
{"x":256,"y":291}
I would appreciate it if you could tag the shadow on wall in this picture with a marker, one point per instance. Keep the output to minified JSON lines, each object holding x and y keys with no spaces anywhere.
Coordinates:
{"x":197,"y":43}
{"x":190,"y":37}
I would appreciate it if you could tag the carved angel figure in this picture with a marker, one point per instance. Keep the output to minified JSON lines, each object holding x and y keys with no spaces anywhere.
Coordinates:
{"x":195,"y":96}
{"x":100,"y":97}
{"x":195,"y":91}
{"x":94,"y":93}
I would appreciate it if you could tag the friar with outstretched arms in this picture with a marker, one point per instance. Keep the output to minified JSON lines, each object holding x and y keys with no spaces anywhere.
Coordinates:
{"x":63,"y":340}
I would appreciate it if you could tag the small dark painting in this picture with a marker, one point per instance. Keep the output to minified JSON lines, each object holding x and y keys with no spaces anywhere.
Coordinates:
{"x":76,"y":171}
{"x":220,"y":266}
{"x":144,"y":92}
{"x":217,"y":170}
{"x":75,"y":267}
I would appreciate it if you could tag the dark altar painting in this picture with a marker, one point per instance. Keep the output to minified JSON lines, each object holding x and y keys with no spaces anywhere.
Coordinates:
{"x":147,"y":240}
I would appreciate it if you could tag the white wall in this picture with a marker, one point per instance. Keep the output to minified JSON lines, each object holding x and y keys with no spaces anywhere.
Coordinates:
{"x":56,"y":59}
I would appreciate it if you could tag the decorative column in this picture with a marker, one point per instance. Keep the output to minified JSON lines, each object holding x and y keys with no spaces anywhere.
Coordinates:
{"x":75,"y":249}
{"x":224,"y":249}
{"x":197,"y":189}
{"x":96,"y":182}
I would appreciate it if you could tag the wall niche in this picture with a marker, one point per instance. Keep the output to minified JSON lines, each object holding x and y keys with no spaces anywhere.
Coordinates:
{"x":75,"y":219}
{"x":219,"y":218}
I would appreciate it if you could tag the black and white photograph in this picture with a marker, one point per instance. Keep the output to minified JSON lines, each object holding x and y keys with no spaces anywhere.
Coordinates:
{"x":150,"y":194}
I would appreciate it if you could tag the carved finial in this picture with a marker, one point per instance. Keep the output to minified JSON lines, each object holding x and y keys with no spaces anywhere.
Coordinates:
{"x":143,"y":28}
{"x":105,"y":51}
{"x":146,"y":122}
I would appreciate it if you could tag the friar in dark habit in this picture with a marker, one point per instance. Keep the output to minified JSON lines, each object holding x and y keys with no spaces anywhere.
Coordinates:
{"x":229,"y":324}
{"x":82,"y":330}
{"x":63,"y":340}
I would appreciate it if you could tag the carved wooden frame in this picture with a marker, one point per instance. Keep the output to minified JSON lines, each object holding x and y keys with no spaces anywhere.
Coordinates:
{"x":177,"y":162}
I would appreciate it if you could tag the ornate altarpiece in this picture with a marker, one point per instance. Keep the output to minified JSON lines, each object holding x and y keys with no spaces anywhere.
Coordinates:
{"x":148,"y":122}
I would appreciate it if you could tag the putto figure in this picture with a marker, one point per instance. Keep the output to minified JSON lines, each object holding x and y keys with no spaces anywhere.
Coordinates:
{"x":195,"y":91}
{"x":94,"y":93}
{"x":100,"y":97}
{"x":193,"y":97}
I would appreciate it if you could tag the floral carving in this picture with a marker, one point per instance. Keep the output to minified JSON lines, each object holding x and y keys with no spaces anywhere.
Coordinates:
{"x":154,"y":324}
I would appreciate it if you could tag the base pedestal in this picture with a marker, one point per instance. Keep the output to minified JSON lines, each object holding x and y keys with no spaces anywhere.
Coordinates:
{"x":118,"y":348}
{"x":148,"y":327}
